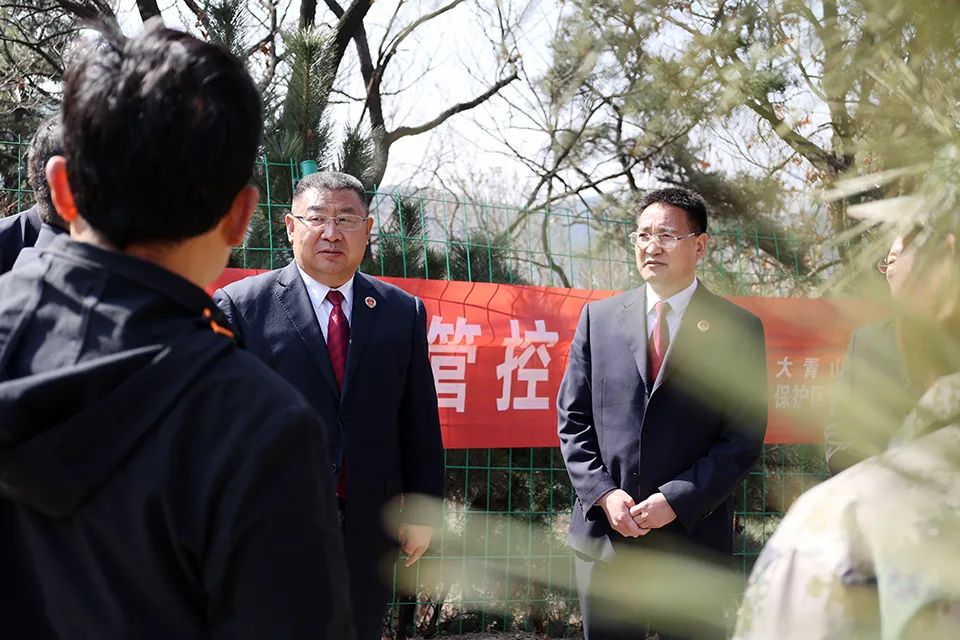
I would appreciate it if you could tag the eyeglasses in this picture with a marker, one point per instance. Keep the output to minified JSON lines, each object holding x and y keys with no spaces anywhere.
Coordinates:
{"x":344,"y":221}
{"x":884,"y":265}
{"x":665,"y":240}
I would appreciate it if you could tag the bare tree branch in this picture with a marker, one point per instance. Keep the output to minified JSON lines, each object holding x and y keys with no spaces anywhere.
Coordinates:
{"x":308,"y":13}
{"x":374,"y":103}
{"x":402,"y":132}
{"x":268,"y":45}
{"x":402,"y":35}
{"x":88,"y":9}
{"x":148,"y":9}
{"x":350,"y":21}
{"x":201,"y":15}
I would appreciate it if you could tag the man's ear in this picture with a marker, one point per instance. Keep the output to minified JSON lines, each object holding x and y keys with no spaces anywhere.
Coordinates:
{"x":60,"y":193}
{"x":290,"y":223}
{"x":702,"y":241}
{"x":235,"y":223}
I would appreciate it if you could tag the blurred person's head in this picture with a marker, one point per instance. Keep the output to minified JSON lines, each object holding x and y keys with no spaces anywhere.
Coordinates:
{"x":160,"y":135}
{"x":899,"y":261}
{"x":929,"y":305}
{"x":670,"y":239}
{"x":329,"y":226}
{"x":47,"y":142}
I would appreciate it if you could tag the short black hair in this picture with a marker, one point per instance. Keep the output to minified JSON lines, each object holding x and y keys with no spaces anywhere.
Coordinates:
{"x":161,"y":132}
{"x":690,"y":201}
{"x":331,"y":181}
{"x":47,"y":142}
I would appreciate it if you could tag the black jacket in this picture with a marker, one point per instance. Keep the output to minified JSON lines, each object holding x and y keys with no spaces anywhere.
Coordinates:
{"x":16,"y":232}
{"x":871,"y":398}
{"x":156,"y":481}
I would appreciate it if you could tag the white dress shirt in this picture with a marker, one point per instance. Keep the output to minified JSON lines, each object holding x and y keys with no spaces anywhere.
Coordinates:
{"x":323,"y":307}
{"x":678,"y":304}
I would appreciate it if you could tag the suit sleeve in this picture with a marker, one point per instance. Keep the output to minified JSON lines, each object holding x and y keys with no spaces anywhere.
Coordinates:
{"x":696,"y":492}
{"x":274,"y":565}
{"x":223,"y":300}
{"x":575,"y":424}
{"x":235,"y":317}
{"x":421,"y":446}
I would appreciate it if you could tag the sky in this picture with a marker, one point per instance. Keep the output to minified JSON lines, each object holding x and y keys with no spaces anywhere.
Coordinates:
{"x":448,"y":60}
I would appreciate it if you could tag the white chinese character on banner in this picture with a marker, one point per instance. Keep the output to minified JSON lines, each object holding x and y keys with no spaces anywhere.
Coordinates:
{"x":452,"y":347}
{"x":782,"y":396}
{"x":836,"y":368}
{"x":810,"y":367}
{"x":785,"y":365}
{"x":532,"y":342}
{"x":818,"y":396}
{"x":801,"y":396}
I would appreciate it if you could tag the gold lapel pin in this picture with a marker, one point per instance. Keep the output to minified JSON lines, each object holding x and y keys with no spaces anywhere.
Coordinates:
{"x":370,"y":302}
{"x":703,"y":325}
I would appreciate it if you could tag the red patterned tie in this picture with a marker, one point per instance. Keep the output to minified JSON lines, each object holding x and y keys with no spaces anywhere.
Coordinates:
{"x":338,"y":336}
{"x":659,"y":340}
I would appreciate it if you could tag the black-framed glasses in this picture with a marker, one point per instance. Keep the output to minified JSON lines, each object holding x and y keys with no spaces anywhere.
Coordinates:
{"x":665,"y":240}
{"x":344,"y":221}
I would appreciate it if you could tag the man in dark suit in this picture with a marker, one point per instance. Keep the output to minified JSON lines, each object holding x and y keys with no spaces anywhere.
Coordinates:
{"x":662,"y":412}
{"x":356,"y":348}
{"x":38,"y":225}
{"x":873,"y":394}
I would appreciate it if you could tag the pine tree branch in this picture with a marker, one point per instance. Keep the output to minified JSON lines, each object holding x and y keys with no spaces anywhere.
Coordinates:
{"x":819,"y":158}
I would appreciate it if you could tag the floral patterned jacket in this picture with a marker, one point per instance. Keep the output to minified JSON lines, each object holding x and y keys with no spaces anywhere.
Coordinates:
{"x":875,"y":551}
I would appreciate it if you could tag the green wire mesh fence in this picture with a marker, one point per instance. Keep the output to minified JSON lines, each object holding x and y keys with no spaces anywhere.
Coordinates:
{"x":524,"y":572}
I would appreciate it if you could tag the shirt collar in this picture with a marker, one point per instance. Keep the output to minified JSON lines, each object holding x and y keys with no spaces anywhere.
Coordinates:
{"x":678,"y":302}
{"x":318,"y":291}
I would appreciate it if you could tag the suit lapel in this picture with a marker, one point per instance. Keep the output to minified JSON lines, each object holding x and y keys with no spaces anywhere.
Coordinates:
{"x":362,"y":318}
{"x":632,"y":317}
{"x":694,"y":327}
{"x":292,"y":294}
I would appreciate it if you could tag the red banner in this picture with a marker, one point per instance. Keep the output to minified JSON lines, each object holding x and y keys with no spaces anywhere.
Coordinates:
{"x":499,"y":351}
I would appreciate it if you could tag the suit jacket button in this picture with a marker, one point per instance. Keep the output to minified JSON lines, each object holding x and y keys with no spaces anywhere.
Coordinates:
{"x":336,"y":467}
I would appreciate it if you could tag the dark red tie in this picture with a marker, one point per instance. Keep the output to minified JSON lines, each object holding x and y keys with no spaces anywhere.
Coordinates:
{"x":659,"y":340}
{"x":338,"y":339}
{"x":338,"y":336}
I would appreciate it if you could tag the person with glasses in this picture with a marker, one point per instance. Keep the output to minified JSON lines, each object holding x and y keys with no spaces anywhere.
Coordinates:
{"x":662,"y":412}
{"x":872,"y":552}
{"x":356,"y":348}
{"x":862,"y":418}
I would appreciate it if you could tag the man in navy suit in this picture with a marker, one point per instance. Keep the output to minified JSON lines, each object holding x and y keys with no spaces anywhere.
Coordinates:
{"x":356,"y":348}
{"x":662,"y":412}
{"x":37,"y":226}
